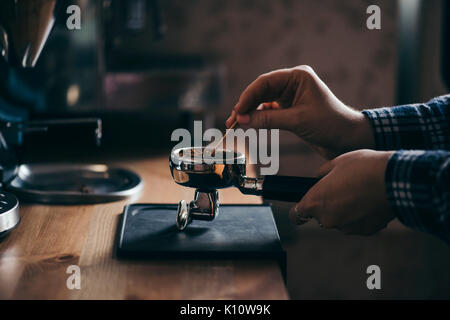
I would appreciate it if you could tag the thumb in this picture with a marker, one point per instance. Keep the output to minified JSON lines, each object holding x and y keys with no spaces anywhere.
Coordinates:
{"x":269,"y":119}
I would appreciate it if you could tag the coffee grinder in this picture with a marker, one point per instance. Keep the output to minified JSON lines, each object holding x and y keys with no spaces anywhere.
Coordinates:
{"x":24,"y":29}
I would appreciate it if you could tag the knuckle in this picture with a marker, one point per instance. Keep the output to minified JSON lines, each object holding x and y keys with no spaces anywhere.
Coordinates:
{"x":262,"y":78}
{"x":304,"y":70}
{"x":340,"y":159}
{"x":261,"y":84}
{"x":310,"y":207}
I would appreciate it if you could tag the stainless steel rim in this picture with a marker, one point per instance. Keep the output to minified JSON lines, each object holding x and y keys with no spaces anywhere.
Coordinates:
{"x":9,"y":212}
{"x":72,"y":197}
{"x":186,"y":164}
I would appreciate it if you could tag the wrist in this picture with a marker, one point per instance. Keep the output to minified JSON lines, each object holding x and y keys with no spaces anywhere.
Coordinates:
{"x":361,"y":132}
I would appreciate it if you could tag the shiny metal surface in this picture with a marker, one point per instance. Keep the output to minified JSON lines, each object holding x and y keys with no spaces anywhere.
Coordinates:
{"x":9,"y":213}
{"x":206,"y":173}
{"x":205,"y":206}
{"x":183,"y":216}
{"x":74,"y":184}
{"x":190,"y":168}
{"x":26,"y":25}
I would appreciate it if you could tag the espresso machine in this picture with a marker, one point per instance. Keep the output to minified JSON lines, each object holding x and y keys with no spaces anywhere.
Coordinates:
{"x":25,"y":26}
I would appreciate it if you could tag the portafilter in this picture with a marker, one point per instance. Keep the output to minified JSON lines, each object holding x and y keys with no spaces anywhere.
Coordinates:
{"x":207,"y":171}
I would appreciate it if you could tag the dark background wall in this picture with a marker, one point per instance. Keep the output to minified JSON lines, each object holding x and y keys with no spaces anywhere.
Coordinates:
{"x":256,"y":36}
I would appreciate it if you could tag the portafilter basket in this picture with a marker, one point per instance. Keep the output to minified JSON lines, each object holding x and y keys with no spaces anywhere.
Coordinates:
{"x":207,"y":170}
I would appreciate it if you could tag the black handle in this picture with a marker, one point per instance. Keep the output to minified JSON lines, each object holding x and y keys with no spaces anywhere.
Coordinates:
{"x":285,"y":188}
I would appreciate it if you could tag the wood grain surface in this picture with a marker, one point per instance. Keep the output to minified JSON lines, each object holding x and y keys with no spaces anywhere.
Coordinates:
{"x":35,"y":256}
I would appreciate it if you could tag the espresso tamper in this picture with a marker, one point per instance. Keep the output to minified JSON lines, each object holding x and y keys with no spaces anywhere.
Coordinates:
{"x":9,"y":213}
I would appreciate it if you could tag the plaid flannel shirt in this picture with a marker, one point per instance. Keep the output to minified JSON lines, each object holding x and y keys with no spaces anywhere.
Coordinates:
{"x":418,"y":174}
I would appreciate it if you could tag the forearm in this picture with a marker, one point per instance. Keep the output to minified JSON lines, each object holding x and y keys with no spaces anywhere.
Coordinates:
{"x":423,"y":126}
{"x":418,"y":188}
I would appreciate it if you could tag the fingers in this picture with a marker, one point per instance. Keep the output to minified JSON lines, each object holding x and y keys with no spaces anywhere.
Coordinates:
{"x":245,"y":119}
{"x":268,"y":116}
{"x":296,"y":218}
{"x":268,"y":106}
{"x":306,"y":209}
{"x":265,"y":88}
{"x":269,"y":119}
{"x":310,"y":207}
{"x":231,"y":119}
{"x":269,"y":87}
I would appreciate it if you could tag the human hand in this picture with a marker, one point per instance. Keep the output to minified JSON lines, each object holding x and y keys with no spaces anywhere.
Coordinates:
{"x":297,"y":100}
{"x":351,"y":196}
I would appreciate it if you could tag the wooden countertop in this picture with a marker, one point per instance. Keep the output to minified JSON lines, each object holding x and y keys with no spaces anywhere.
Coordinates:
{"x":35,"y":256}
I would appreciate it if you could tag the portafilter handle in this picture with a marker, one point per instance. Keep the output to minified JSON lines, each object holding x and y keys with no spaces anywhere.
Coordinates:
{"x":205,"y":205}
{"x":282,"y":188}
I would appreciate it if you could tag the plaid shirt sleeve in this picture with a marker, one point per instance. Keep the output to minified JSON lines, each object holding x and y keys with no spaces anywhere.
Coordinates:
{"x":417,"y":181}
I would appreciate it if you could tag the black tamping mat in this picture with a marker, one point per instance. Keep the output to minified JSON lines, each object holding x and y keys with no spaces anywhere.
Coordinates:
{"x":239,"y":232}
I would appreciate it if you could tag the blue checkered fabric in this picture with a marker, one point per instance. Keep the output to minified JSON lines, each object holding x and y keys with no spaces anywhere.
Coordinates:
{"x":418,"y":174}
